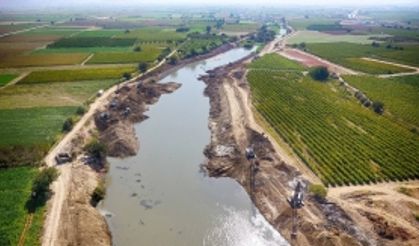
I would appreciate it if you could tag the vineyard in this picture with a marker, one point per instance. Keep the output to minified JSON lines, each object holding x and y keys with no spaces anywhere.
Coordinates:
{"x":399,"y":94}
{"x":338,"y":139}
{"x":92,"y":42}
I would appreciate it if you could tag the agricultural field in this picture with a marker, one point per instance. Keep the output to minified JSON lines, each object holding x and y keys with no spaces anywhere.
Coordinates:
{"x":153,"y":35}
{"x":399,"y":94}
{"x":54,"y":31}
{"x":15,"y":188}
{"x":32,"y":126}
{"x":338,"y":139}
{"x":340,"y":52}
{"x":43,"y":60}
{"x":6,"y":78}
{"x":46,"y":76}
{"x":16,"y":27}
{"x":51,"y":94}
{"x":305,"y":23}
{"x":275,"y":62}
{"x":100,"y":33}
{"x":240,"y":28}
{"x":373,"y":67}
{"x":92,"y":42}
{"x":148,"y":53}
{"x":320,"y":37}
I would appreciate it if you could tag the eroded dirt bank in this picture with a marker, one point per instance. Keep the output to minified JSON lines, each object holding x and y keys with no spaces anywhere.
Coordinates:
{"x":234,"y":128}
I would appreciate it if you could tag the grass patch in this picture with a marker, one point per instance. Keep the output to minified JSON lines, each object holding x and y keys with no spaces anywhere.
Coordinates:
{"x":43,"y":60}
{"x":6,"y":78}
{"x":399,"y":94}
{"x":47,"y":76}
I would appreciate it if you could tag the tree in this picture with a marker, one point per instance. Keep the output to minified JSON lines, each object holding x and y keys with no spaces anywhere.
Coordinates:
{"x":96,"y":148}
{"x":68,"y":125}
{"x":208,"y":29}
{"x":319,"y":73}
{"x":81,"y":110}
{"x":142,"y":67}
{"x":126,"y":76}
{"x":137,"y":49}
{"x":378,"y":107}
{"x":173,"y":60}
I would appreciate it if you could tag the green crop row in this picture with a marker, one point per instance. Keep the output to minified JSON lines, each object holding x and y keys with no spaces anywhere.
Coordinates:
{"x":338,"y":139}
{"x":92,"y":42}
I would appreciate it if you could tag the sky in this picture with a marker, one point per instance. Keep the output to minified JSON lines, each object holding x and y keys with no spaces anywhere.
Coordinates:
{"x":64,"y":3}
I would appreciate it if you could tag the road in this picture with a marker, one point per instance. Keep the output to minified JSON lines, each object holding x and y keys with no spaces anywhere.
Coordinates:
{"x":60,"y":186}
{"x":415,"y":69}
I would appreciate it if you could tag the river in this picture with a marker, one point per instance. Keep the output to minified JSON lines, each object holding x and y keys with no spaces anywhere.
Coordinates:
{"x":161,"y":197}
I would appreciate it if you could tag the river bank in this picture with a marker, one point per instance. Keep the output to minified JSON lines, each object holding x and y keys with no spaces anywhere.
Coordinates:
{"x":234,"y":128}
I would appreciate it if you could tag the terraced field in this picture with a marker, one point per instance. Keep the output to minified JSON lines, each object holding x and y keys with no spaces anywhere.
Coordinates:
{"x":399,"y":94}
{"x":338,"y":139}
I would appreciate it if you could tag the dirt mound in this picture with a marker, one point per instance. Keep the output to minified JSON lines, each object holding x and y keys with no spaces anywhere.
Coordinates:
{"x":115,"y":122}
{"x":386,"y":229}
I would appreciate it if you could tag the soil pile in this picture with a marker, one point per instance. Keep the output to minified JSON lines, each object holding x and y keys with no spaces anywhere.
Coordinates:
{"x":126,"y":107}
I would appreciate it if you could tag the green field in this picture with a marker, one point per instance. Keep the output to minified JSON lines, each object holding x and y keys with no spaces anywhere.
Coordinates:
{"x":46,"y":76}
{"x":241,"y":27}
{"x":340,"y":52}
{"x":302,"y":23}
{"x":56,"y":31}
{"x":399,"y":94}
{"x":15,"y":188}
{"x":337,"y":138}
{"x":82,"y":50}
{"x":43,"y":60}
{"x":153,"y":35}
{"x":319,"y":37}
{"x":100,"y":33}
{"x":73,"y":42}
{"x":148,"y":53}
{"x":55,"y":94}
{"x":200,"y":44}
{"x":32,"y":126}
{"x":6,"y":78}
{"x":275,"y":62}
{"x":373,"y":67}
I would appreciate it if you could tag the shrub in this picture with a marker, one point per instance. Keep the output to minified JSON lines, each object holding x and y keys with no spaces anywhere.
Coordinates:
{"x":127,"y":76}
{"x":96,"y":148}
{"x":68,"y":125}
{"x":318,"y":190}
{"x":81,"y":110}
{"x":319,"y":73}
{"x":142,"y":67}
{"x":137,"y":49}
{"x":40,"y":187}
{"x":98,"y":194}
{"x":173,"y":60}
{"x":378,"y":107}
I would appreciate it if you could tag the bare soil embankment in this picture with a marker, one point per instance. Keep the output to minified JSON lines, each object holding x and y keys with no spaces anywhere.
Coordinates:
{"x":233,"y":129}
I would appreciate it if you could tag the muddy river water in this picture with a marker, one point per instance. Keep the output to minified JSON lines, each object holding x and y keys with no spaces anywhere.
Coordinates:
{"x":160,"y":197}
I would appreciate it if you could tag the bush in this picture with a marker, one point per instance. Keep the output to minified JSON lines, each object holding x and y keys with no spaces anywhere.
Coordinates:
{"x":137,"y":49}
{"x":319,"y":73}
{"x":318,"y":190}
{"x":96,"y":148}
{"x":378,"y":107}
{"x":127,"y":76}
{"x":68,"y":125}
{"x":173,"y":60}
{"x":81,"y":110}
{"x":40,"y":187}
{"x":98,"y":194}
{"x":142,"y":67}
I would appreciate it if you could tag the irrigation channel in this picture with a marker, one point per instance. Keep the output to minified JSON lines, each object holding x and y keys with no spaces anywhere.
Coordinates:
{"x":160,"y":197}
